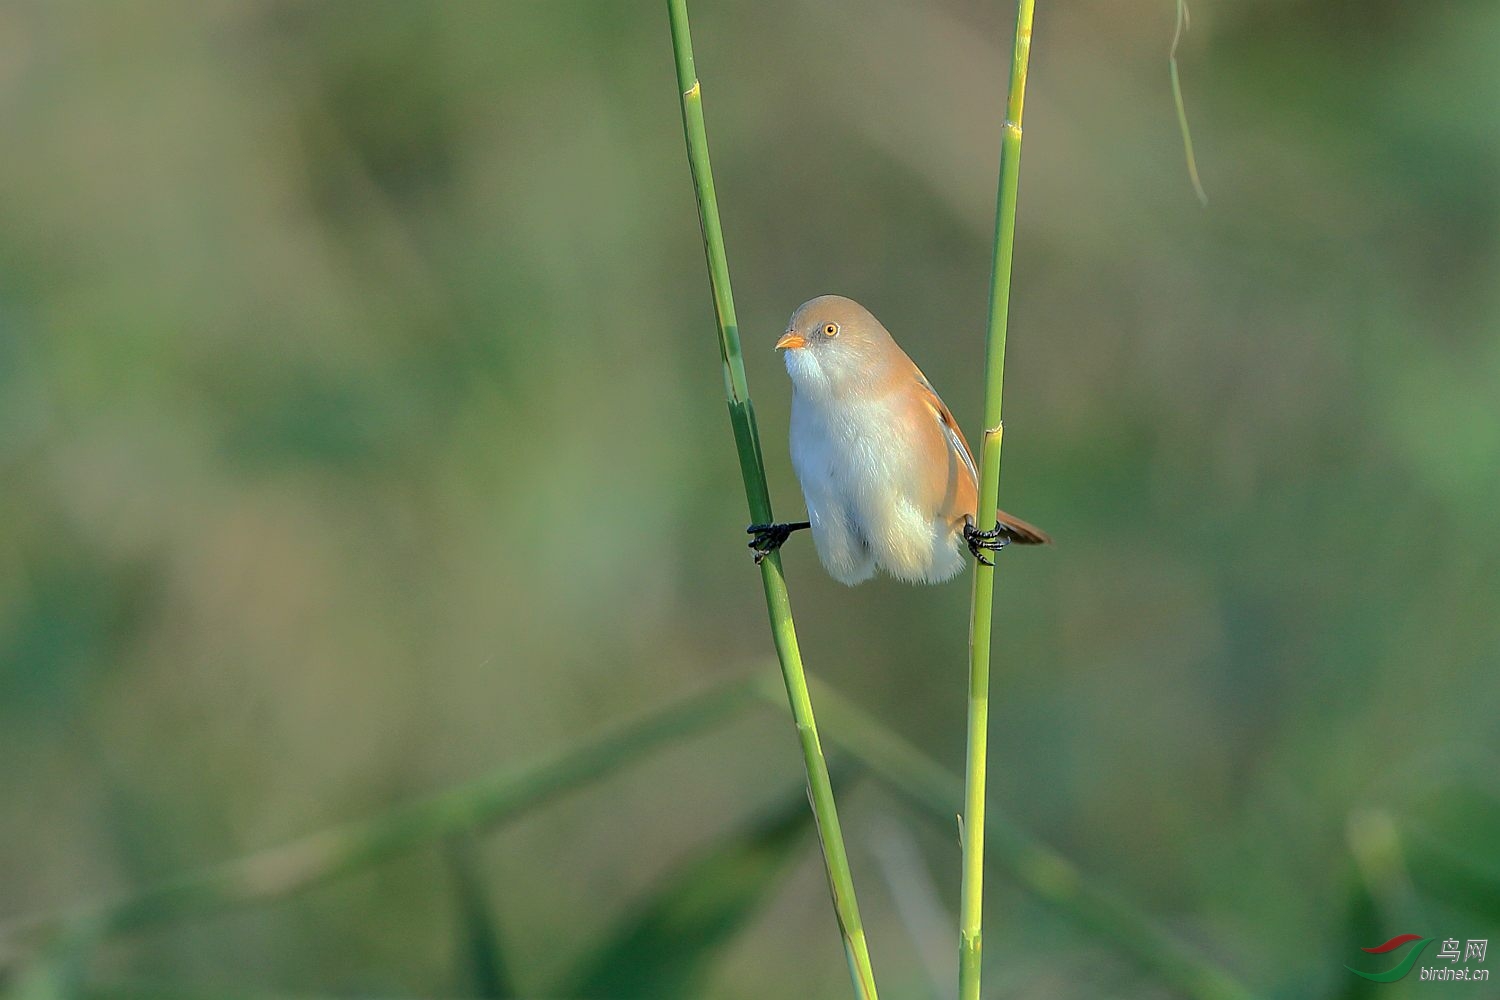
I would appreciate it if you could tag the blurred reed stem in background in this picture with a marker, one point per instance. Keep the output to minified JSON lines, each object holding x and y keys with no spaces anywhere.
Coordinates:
{"x":1182,"y":121}
{"x":320,"y":857}
{"x":752,"y":468}
{"x":1036,"y":866}
{"x":971,"y":903}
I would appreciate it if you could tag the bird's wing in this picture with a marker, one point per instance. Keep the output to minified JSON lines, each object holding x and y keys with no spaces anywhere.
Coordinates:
{"x":955,"y":437}
{"x":1015,"y":528}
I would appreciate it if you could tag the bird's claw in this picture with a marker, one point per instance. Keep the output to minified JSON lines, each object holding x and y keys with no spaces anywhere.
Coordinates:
{"x":980,"y":542}
{"x":768,"y":538}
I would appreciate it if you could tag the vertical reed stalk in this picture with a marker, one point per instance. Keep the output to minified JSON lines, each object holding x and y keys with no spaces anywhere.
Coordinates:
{"x":971,"y":901}
{"x":747,"y":442}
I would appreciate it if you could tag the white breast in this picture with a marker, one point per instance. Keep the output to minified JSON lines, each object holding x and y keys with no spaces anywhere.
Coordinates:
{"x":857,"y":478}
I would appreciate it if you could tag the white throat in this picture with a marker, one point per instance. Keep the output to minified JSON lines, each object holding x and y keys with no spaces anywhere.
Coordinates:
{"x":808,"y":375}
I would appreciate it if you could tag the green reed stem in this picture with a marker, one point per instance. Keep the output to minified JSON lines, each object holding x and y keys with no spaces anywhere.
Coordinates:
{"x":752,"y":469}
{"x":971,"y":897}
{"x":1036,"y":866}
{"x":291,"y":868}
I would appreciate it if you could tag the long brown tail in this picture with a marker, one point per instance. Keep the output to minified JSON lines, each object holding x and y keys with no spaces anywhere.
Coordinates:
{"x":1020,"y":532}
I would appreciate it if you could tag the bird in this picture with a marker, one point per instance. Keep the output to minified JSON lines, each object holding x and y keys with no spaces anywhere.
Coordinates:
{"x":889,"y":481}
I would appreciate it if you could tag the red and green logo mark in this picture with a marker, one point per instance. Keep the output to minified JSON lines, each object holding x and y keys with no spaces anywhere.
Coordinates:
{"x":1399,"y":941}
{"x":1473,"y":949}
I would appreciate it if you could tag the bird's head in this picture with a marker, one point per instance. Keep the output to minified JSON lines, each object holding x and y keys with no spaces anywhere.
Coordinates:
{"x":834,"y":346}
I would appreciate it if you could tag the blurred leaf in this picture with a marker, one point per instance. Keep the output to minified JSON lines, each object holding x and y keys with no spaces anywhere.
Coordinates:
{"x":1035,"y":865}
{"x":328,"y":854}
{"x":1451,"y":848}
{"x":665,"y":949}
{"x":1453,"y":876}
{"x":1182,"y":121}
{"x":1361,"y":930}
{"x":57,"y":971}
{"x":479,"y":937}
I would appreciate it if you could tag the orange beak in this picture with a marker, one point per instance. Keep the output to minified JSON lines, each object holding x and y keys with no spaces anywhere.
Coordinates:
{"x":791,"y":341}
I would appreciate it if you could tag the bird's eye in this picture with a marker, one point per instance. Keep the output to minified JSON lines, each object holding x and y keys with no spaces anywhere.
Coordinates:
{"x":831,"y":330}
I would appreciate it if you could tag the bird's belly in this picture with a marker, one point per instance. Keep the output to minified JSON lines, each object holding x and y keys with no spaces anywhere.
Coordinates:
{"x":859,"y":474}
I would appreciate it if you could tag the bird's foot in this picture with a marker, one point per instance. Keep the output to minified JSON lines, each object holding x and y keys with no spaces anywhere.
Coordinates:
{"x":767,"y":538}
{"x":980,"y":542}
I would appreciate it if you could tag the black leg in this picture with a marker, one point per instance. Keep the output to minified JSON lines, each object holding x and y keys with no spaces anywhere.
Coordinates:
{"x":770,"y":537}
{"x":980,"y":542}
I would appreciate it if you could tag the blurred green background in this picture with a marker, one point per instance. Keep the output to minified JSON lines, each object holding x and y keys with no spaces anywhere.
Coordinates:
{"x":362,"y":432}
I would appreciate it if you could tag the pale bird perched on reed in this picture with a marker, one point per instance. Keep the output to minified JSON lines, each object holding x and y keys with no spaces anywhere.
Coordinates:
{"x":888,"y":478}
